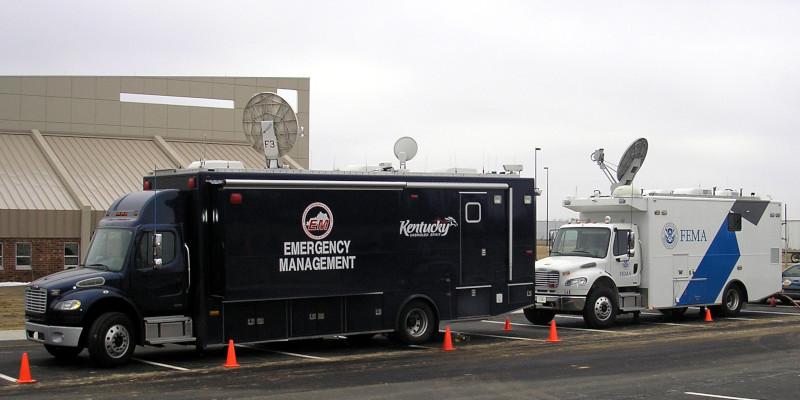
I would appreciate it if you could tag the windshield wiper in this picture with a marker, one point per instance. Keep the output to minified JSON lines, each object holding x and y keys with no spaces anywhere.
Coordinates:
{"x":105,"y":267}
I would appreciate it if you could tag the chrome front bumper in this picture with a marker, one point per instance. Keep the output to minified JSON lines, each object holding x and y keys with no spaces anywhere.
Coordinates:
{"x":67,"y":336}
{"x":561,"y":303}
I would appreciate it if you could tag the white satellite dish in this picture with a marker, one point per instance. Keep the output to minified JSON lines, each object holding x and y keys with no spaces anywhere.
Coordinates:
{"x":628,"y":166}
{"x":405,"y":149}
{"x":270,"y":125}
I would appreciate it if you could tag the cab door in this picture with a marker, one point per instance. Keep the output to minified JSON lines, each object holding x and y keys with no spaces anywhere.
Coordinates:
{"x":625,"y":269}
{"x":159,"y":290}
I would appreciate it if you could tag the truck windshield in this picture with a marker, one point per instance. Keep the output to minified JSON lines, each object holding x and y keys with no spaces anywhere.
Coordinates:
{"x":584,"y":242}
{"x":109,"y":249}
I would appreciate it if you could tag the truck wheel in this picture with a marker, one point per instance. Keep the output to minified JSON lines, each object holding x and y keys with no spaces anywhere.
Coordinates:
{"x":538,"y":317}
{"x":795,"y":257}
{"x":63,"y":353}
{"x":732,"y":300}
{"x":600,"y":310}
{"x":416,"y":323}
{"x":111,"y":340}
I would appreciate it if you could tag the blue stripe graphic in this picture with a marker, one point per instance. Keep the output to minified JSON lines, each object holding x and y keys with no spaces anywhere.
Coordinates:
{"x":715,"y":268}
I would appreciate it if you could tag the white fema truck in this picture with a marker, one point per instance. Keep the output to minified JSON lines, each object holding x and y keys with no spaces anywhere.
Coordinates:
{"x":634,"y":251}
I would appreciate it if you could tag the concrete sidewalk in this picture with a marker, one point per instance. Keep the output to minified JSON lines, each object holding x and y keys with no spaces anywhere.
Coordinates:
{"x":12,"y":335}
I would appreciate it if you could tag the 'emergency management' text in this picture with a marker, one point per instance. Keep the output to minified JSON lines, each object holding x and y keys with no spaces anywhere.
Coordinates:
{"x":316,"y":256}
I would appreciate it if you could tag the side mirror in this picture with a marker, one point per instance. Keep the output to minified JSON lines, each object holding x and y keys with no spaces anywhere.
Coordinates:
{"x":158,"y":250}
{"x":551,"y":238}
{"x":631,"y":244}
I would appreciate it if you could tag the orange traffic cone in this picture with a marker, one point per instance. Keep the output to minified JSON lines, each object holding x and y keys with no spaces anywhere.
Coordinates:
{"x":508,"y":325}
{"x":708,"y":315}
{"x":448,"y":344}
{"x":25,"y":371}
{"x":553,"y":334}
{"x":772,"y":302}
{"x":231,"y":362}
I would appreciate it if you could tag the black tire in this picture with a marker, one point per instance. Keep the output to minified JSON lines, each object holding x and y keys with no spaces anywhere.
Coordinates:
{"x":600,"y":310}
{"x":732,"y":300}
{"x":416,"y":323}
{"x":795,"y":257}
{"x":538,"y":317}
{"x":111,"y":340}
{"x":63,"y":353}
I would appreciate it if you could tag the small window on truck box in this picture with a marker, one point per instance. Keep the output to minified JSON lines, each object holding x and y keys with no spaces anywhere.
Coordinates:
{"x":734,"y":222}
{"x":473,"y":212}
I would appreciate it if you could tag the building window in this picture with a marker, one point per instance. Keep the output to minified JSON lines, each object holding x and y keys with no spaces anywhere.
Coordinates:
{"x":71,"y":255}
{"x":24,"y":255}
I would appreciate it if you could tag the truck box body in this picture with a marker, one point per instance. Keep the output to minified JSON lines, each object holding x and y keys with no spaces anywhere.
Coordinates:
{"x":255,"y":256}
{"x":689,"y":250}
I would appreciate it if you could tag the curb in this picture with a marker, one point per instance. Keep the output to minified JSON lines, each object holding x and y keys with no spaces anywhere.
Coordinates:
{"x":12,"y":335}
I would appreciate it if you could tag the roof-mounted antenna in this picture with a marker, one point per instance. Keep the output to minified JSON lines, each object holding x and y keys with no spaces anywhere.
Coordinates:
{"x":405,"y":149}
{"x":271,"y":126}
{"x":628,"y":166}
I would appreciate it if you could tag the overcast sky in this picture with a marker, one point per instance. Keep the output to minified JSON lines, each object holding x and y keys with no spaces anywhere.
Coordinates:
{"x":714,"y":86}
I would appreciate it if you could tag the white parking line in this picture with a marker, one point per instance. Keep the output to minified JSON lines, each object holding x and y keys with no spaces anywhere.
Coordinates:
{"x":770,"y":312}
{"x":8,"y":378}
{"x":283,"y":352}
{"x":160,"y":364}
{"x":668,"y":323}
{"x":561,"y":327}
{"x":714,"y":396}
{"x":501,"y":337}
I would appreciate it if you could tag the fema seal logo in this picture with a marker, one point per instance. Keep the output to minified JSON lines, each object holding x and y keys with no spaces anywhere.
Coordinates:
{"x":317,"y":221}
{"x":669,"y":235}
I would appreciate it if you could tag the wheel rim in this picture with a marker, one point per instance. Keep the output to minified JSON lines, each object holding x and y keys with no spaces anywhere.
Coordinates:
{"x":732,"y":299}
{"x":117,"y":341}
{"x":602,"y":308}
{"x":416,"y":323}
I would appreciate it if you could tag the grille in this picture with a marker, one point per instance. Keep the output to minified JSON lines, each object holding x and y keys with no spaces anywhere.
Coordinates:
{"x":546,"y":278}
{"x":35,"y":300}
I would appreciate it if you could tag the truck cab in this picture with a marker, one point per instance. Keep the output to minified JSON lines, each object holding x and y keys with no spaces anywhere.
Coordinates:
{"x":593,"y":269}
{"x":134,"y":271}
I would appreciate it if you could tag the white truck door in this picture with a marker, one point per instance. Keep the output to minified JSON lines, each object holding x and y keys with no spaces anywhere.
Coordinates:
{"x":626,"y":270}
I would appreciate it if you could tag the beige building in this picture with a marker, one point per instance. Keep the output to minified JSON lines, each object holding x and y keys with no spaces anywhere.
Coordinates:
{"x":69,"y":146}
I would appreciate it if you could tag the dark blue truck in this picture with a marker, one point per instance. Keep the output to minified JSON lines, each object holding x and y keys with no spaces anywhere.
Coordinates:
{"x":203,"y":256}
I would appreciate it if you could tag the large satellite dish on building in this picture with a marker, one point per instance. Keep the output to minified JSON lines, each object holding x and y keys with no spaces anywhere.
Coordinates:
{"x":628,"y":166}
{"x":405,"y":149}
{"x":271,"y":126}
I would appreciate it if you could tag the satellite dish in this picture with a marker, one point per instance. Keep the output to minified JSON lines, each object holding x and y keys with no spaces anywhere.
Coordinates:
{"x":405,"y":149}
{"x":270,"y":124}
{"x":631,"y":161}
{"x":629,"y":164}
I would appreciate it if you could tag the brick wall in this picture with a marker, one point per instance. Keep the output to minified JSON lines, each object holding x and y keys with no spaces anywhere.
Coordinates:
{"x":47,"y":257}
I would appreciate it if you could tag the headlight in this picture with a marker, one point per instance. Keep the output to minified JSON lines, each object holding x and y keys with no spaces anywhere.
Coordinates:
{"x":576,"y":281}
{"x":68,"y":305}
{"x":787,"y":282}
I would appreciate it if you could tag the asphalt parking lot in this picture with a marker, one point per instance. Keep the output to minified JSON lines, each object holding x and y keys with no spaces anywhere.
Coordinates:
{"x":747,"y":357}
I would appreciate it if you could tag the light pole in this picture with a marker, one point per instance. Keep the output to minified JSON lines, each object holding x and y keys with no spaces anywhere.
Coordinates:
{"x":535,"y":156}
{"x":547,"y":203}
{"x":536,"y":180}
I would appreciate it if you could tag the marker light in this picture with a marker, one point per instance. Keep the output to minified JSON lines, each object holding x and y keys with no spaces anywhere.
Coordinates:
{"x":146,"y":185}
{"x":236,"y":198}
{"x":191,"y":183}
